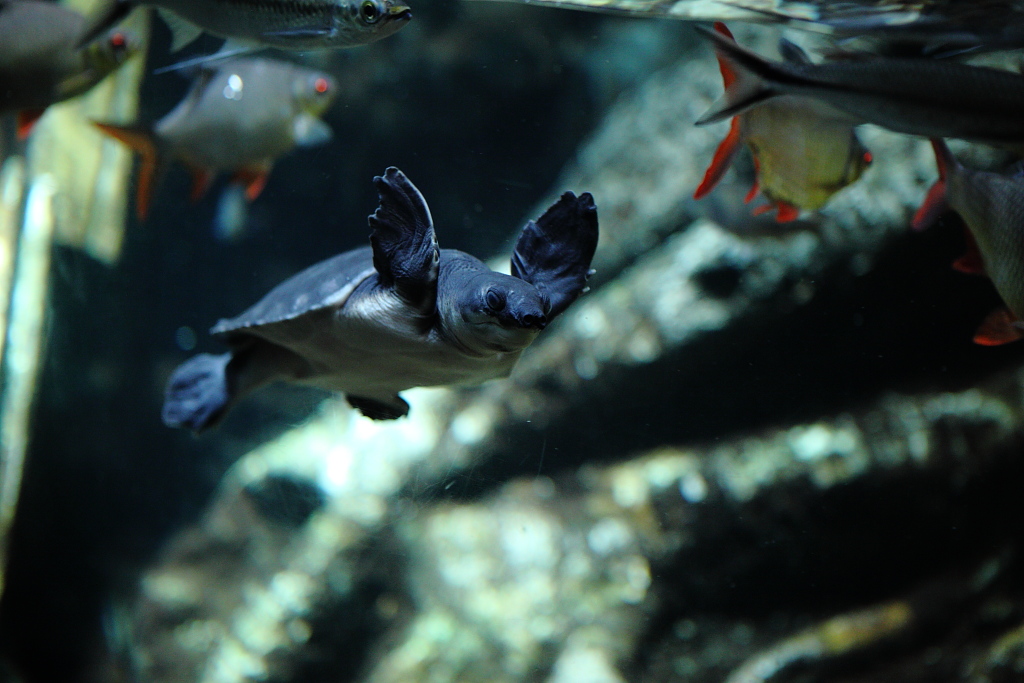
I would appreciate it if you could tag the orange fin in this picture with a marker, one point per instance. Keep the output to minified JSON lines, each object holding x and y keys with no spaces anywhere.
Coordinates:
{"x":728,"y":75}
{"x":201,"y":180}
{"x":254,"y":178}
{"x":787,"y":212}
{"x":144,"y":143}
{"x":27,"y":119}
{"x":756,"y":187}
{"x":723,"y":157}
{"x":970,"y":262}
{"x":935,"y":201}
{"x":999,"y":327}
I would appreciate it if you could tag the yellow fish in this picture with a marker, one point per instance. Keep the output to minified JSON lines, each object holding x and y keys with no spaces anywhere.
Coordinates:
{"x":804,"y":152}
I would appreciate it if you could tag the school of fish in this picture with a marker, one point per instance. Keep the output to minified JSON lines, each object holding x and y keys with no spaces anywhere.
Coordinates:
{"x":797,"y":116}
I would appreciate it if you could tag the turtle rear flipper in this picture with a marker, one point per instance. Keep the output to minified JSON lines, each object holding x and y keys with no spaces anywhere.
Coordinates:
{"x":376,"y":409}
{"x":197,"y":393}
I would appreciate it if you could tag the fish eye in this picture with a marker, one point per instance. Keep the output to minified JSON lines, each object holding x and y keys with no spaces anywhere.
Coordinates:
{"x":118,"y":41}
{"x":868,"y":157}
{"x":369,"y":11}
{"x":321,"y":85}
{"x":495,"y":300}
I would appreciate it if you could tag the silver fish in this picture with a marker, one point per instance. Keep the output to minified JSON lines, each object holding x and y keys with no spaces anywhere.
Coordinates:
{"x":39,"y":63}
{"x":992,"y":206}
{"x":917,"y":96}
{"x":287,"y":24}
{"x":239,"y":118}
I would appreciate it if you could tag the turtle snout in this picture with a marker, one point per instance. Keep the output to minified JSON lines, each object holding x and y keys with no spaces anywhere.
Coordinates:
{"x":534,"y":321}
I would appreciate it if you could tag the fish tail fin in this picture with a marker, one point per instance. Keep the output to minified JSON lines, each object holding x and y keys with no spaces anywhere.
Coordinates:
{"x":198,"y":393}
{"x":143,"y":140}
{"x":747,"y":76}
{"x":935,"y":201}
{"x":113,"y":12}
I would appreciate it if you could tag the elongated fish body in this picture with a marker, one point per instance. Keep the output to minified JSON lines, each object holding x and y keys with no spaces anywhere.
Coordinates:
{"x":804,"y":150}
{"x":239,"y":118}
{"x":294,"y":24}
{"x":992,"y":206}
{"x":39,"y":62}
{"x":286,"y":24}
{"x":932,"y":98}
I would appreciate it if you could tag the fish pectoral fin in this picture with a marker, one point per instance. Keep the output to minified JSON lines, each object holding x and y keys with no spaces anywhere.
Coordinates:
{"x":301,"y":32}
{"x":375,"y":409}
{"x":27,"y":119}
{"x":309,"y":131}
{"x":182,"y":32}
{"x":1001,"y":326}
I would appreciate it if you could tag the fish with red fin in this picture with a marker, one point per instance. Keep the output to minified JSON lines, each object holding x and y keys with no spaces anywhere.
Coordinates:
{"x":931,"y":98}
{"x":238,"y":118}
{"x":285,"y":24}
{"x":40,"y":64}
{"x":804,"y":151}
{"x":992,"y":206}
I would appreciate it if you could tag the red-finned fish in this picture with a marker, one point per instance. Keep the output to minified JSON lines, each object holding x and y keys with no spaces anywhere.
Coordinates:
{"x":992,"y":206}
{"x":804,"y":151}
{"x":239,"y":117}
{"x":287,"y":24}
{"x":925,"y":97}
{"x":39,"y":63}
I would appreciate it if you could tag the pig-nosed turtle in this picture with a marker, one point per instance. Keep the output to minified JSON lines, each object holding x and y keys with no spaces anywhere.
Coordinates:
{"x":400,"y":313}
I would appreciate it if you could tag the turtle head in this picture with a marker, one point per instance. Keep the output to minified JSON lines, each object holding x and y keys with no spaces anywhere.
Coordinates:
{"x":501,"y":313}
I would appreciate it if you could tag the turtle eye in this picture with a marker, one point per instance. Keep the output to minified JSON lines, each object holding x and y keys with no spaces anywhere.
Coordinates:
{"x":495,"y":300}
{"x":369,"y":12}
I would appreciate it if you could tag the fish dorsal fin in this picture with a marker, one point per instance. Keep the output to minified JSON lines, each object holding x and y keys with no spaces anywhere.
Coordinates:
{"x":405,"y":251}
{"x":182,"y":32}
{"x":553,"y":254}
{"x":309,"y":131}
{"x":793,"y":53}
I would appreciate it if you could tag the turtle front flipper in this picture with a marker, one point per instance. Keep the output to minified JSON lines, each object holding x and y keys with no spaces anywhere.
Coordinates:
{"x":405,"y":252}
{"x":380,"y":410}
{"x":553,"y":254}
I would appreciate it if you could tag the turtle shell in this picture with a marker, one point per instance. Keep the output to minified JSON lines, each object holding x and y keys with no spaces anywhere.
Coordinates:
{"x":324,"y":285}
